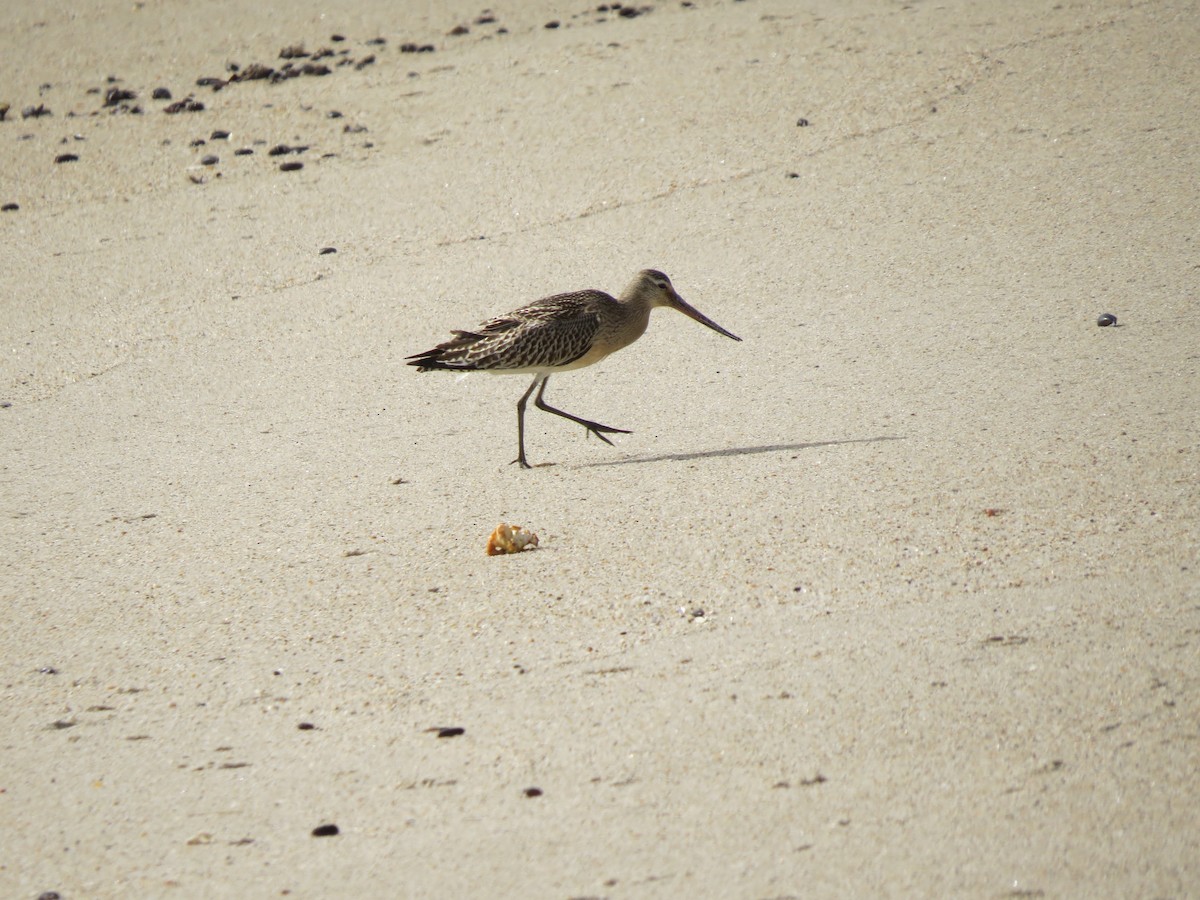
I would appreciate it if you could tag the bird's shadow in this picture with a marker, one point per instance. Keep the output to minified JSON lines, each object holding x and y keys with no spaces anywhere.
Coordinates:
{"x":736,"y":451}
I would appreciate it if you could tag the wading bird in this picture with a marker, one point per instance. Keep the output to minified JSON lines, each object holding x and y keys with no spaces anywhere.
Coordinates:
{"x":557,"y":334}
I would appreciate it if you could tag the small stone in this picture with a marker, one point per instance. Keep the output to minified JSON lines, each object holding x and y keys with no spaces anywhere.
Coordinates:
{"x":459,"y":30}
{"x":552,"y":24}
{"x":325,"y":830}
{"x":114,"y":95}
{"x":306,"y":726}
{"x":325,"y":251}
{"x":66,"y":158}
{"x":219,"y":135}
{"x":210,"y":160}
{"x":243,"y":151}
{"x":1106,"y":319}
{"x":802,"y":123}
{"x":533,"y":792}
{"x":9,"y":207}
{"x":290,"y":166}
{"x":449,"y":732}
{"x":161,"y":93}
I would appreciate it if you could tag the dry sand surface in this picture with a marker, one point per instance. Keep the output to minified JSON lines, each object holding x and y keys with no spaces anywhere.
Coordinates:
{"x":898,"y":597}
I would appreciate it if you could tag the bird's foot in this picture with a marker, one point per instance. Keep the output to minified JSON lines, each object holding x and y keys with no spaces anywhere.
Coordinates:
{"x":600,"y":430}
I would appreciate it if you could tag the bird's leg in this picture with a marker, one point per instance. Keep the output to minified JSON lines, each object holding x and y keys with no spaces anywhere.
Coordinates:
{"x":594,"y":427}
{"x":521,"y":422}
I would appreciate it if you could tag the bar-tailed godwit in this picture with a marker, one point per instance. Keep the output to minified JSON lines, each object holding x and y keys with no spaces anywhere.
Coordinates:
{"x":557,"y":334}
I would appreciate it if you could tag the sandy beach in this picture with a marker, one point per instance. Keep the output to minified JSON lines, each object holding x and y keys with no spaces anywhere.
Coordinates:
{"x":899,"y":596}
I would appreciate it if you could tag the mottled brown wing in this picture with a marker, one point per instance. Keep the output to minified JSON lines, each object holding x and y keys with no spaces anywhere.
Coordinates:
{"x":545,"y":334}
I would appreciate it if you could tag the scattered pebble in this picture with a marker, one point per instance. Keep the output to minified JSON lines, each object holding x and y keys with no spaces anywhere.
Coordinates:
{"x":9,"y":207}
{"x":325,"y":251}
{"x":449,"y":732}
{"x":290,"y":166}
{"x":333,"y":114}
{"x":219,"y":135}
{"x":115,"y":95}
{"x":49,"y":895}
{"x":210,"y":160}
{"x":306,"y":726}
{"x":337,"y":38}
{"x":160,"y":93}
{"x":35,"y":112}
{"x":1106,"y":319}
{"x":459,"y":30}
{"x":533,"y":792}
{"x":552,"y":24}
{"x":802,"y":123}
{"x":325,"y":830}
{"x":187,"y":104}
{"x":66,"y":158}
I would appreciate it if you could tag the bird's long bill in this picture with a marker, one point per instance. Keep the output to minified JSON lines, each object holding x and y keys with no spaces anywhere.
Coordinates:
{"x":691,"y":312}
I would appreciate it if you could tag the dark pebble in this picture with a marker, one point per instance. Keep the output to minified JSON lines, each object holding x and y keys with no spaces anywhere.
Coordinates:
{"x":187,"y":104}
{"x":219,"y":135}
{"x":35,"y":112}
{"x":243,"y":151}
{"x":197,"y":142}
{"x":114,"y":95}
{"x":485,"y":19}
{"x":802,"y":123}
{"x":210,"y":160}
{"x":44,"y":670}
{"x":377,"y":42}
{"x":325,"y":831}
{"x":628,"y":12}
{"x":254,"y":72}
{"x":161,"y":93}
{"x":793,"y":174}
{"x":333,"y":114}
{"x":1107,"y":319}
{"x":9,"y":207}
{"x":337,"y":38}
{"x":450,"y":732}
{"x":354,"y":129}
{"x":296,"y":51}
{"x":364,"y":62}
{"x":552,"y":24}
{"x":66,"y":157}
{"x":306,"y":726}
{"x":459,"y":31}
{"x":325,"y":251}
{"x":290,"y":166}
{"x":209,"y":81}
{"x":533,"y":792}
{"x":310,"y":69}
{"x":5,"y":404}
{"x":49,"y":895}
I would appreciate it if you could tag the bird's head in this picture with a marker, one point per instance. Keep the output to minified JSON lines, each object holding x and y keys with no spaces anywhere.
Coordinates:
{"x":656,"y":288}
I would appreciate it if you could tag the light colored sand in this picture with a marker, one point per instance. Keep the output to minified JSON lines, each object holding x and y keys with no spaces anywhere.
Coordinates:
{"x":890,"y":690}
